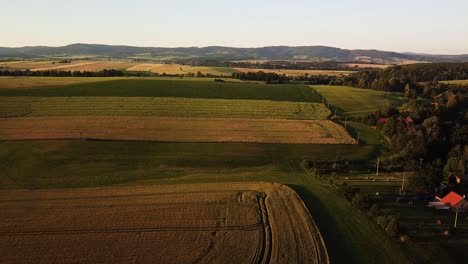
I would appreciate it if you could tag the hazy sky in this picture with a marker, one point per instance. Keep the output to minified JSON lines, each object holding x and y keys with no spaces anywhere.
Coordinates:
{"x":431,"y":26}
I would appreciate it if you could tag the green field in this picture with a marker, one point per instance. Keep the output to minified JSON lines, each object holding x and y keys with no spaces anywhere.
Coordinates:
{"x":459,"y":82}
{"x":159,"y":106}
{"x":356,"y":101}
{"x":351,"y":236}
{"x":175,"y":88}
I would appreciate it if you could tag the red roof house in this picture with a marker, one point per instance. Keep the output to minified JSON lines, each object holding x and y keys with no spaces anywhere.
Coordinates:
{"x":451,"y":201}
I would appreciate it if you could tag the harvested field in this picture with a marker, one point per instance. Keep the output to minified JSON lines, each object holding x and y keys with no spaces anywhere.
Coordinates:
{"x":159,"y":106}
{"x":158,"y":68}
{"x":366,"y":65}
{"x":296,"y":72}
{"x":41,"y":82}
{"x":212,"y":223}
{"x":75,"y":65}
{"x":174,"y":129}
{"x":90,"y":65}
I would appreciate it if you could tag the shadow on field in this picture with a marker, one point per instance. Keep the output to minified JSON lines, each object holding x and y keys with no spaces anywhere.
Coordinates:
{"x":339,"y":248}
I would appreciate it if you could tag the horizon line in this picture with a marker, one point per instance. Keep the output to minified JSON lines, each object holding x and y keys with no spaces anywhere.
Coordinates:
{"x":251,"y":47}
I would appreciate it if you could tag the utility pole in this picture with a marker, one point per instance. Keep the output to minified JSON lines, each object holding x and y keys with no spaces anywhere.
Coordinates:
{"x":378,"y":164}
{"x":403,"y":183}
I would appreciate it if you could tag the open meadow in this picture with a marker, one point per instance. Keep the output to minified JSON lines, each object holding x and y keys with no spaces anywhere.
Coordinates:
{"x":356,"y":101}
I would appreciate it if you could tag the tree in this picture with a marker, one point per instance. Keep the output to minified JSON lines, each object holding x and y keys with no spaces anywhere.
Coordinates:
{"x":382,"y":221}
{"x":347,"y":191}
{"x":360,"y":201}
{"x":409,"y":92}
{"x":374,"y":211}
{"x":425,"y":178}
{"x":393,"y":228}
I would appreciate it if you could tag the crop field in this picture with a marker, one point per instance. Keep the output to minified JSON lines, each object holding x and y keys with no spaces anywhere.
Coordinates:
{"x":174,"y":129}
{"x":52,"y":164}
{"x":142,"y":87}
{"x":356,"y":101}
{"x":458,"y":82}
{"x":159,"y":106}
{"x":296,"y":72}
{"x":44,"y":82}
{"x":213,"y":223}
{"x":89,"y":65}
{"x":168,"y":133}
{"x":366,"y":65}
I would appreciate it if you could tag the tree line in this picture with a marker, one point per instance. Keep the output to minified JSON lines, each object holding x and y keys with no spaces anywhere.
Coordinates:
{"x":428,"y":137}
{"x":397,"y":78}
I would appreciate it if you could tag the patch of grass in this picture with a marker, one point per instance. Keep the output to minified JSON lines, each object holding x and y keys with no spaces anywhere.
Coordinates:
{"x":350,"y":236}
{"x":175,"y":88}
{"x":74,"y":163}
{"x":357,"y":102}
{"x":459,"y":82}
{"x":367,"y":135}
{"x":159,"y":106}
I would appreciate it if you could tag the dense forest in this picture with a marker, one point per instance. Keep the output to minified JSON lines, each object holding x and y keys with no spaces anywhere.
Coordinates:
{"x":430,"y":134}
{"x":397,"y":78}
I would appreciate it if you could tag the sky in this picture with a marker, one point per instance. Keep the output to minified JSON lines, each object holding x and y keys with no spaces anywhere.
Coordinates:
{"x":424,"y":26}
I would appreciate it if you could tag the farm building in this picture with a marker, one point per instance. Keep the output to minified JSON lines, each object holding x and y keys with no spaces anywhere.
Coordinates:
{"x":451,"y":201}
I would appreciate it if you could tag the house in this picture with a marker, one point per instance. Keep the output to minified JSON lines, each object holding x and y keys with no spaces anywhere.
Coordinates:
{"x":451,"y":201}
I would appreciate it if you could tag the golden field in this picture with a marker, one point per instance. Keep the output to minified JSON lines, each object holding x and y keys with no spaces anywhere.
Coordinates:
{"x":209,"y":223}
{"x":174,"y":129}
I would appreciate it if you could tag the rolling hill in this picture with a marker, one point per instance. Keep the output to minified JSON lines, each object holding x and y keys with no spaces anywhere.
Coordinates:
{"x":310,"y":53}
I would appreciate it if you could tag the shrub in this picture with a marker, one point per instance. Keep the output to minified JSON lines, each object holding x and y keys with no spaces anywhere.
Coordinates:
{"x":347,"y":191}
{"x":393,"y":227}
{"x":374,"y":211}
{"x":382,"y":221}
{"x":361,"y":201}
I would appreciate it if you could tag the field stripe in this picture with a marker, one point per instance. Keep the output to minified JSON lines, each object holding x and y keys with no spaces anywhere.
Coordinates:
{"x":159,"y":106}
{"x":174,"y":129}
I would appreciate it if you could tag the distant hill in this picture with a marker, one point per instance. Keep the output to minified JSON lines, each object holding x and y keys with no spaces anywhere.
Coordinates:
{"x":309,"y":53}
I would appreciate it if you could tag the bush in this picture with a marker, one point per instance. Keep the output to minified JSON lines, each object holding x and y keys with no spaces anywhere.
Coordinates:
{"x":347,"y":191}
{"x":393,"y":227}
{"x":374,"y":211}
{"x":382,"y":221}
{"x":360,"y":201}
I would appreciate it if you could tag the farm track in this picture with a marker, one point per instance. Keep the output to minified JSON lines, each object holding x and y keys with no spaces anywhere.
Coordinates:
{"x":244,"y":235}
